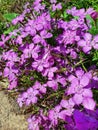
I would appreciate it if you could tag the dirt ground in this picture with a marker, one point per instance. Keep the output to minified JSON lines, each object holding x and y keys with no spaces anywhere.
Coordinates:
{"x":10,"y":117}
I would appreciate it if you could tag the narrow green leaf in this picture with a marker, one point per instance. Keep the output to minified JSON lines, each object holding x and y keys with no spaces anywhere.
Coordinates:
{"x":9,"y":30}
{"x":76,"y":17}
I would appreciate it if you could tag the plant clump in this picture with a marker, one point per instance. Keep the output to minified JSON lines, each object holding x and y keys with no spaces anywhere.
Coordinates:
{"x":49,"y":58}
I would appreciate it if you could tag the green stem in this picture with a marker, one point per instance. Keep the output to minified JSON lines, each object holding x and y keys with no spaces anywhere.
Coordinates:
{"x":84,"y":67}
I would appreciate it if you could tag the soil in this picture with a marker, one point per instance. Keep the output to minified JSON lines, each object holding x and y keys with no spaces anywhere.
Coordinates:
{"x":11,"y":117}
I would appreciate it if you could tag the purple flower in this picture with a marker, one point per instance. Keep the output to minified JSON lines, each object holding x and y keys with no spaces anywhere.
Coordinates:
{"x":34,"y":123}
{"x":53,"y":83}
{"x":74,"y":12}
{"x":10,"y":56}
{"x":90,"y":11}
{"x":94,"y":42}
{"x":20,"y":100}
{"x":10,"y":73}
{"x":73,"y":24}
{"x":68,"y":37}
{"x":89,"y":103}
{"x":43,"y":61}
{"x":19,"y":40}
{"x":30,"y":30}
{"x":94,"y":15}
{"x":43,"y":35}
{"x":68,"y":105}
{"x":53,"y":1}
{"x":43,"y":22}
{"x":50,"y":72}
{"x":39,"y":87}
{"x":81,"y":94}
{"x":56,"y":6}
{"x":54,"y":115}
{"x":78,"y":83}
{"x":84,"y":121}
{"x":28,"y":97}
{"x":4,"y":39}
{"x":31,"y":96}
{"x":86,"y":43}
{"x":13,"y":84}
{"x":18,"y":19}
{"x":31,"y":50}
{"x":73,"y":54}
{"x":62,"y":24}
{"x":38,"y":6}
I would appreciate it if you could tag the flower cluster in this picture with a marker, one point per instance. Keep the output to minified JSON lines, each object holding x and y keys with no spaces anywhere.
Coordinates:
{"x":53,"y":51}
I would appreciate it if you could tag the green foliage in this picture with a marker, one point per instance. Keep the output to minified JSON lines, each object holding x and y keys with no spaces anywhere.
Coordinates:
{"x":93,"y":30}
{"x":94,"y":23}
{"x":9,"y":30}
{"x":9,"y":9}
{"x":64,"y":15}
{"x":82,"y":4}
{"x":2,"y":27}
{"x":10,"y":16}
{"x":7,"y":18}
{"x":9,"y":6}
{"x":5,"y":5}
{"x":95,"y":57}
